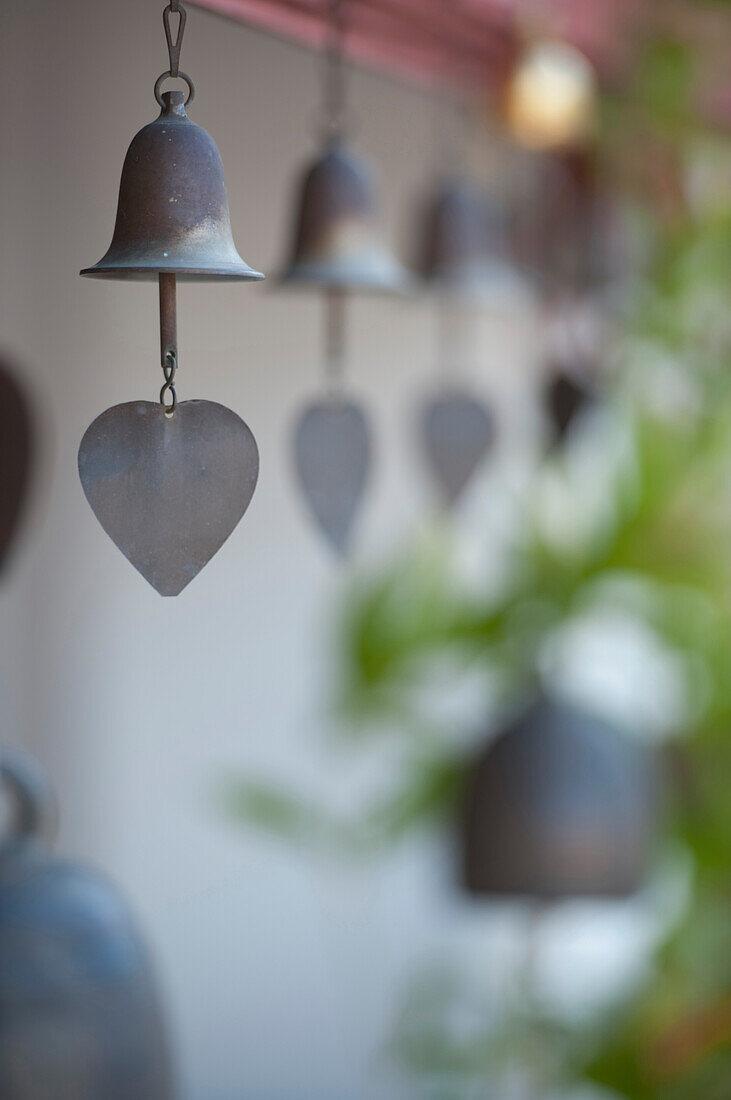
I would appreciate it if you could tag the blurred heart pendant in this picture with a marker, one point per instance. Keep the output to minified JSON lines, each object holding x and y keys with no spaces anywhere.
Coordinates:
{"x":168,"y":490}
{"x":456,"y":432}
{"x":17,"y":440}
{"x":332,"y":452}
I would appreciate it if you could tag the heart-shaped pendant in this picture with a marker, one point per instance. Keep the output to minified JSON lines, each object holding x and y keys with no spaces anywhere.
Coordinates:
{"x":168,"y":490}
{"x":16,"y":455}
{"x":332,"y":452}
{"x":456,"y":432}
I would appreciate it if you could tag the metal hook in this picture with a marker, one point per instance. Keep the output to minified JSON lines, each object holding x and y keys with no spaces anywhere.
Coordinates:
{"x":174,"y":46}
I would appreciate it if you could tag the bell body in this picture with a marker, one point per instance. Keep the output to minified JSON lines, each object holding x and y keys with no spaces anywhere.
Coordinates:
{"x":559,"y":805}
{"x":172,"y":215}
{"x":464,"y":247}
{"x":574,"y":240}
{"x":566,"y":395}
{"x":79,"y":1014}
{"x":336,"y":246}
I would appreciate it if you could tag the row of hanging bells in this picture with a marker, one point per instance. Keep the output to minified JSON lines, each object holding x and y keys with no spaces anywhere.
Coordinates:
{"x":337,"y":251}
{"x":169,"y":480}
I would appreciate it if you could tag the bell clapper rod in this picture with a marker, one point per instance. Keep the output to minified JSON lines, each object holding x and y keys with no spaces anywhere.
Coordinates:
{"x":334,"y":339}
{"x":168,"y":340}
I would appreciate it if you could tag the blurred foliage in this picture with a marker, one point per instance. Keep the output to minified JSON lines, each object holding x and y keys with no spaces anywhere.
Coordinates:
{"x":648,"y":530}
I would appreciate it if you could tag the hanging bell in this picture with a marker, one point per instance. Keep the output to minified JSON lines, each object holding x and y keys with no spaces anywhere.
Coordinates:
{"x":336,"y":245}
{"x":559,"y":805}
{"x":566,"y":395}
{"x":172,"y":215}
{"x":464,"y":251}
{"x":80,"y":1016}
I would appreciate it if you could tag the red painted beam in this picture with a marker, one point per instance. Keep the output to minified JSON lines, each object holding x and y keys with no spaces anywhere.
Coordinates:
{"x":457,"y":42}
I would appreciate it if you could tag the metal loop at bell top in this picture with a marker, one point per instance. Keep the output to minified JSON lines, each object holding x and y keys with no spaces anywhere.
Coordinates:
{"x":182,"y":76}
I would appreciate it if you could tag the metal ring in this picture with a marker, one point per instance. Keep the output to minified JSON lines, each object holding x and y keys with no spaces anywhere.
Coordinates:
{"x":181,"y":76}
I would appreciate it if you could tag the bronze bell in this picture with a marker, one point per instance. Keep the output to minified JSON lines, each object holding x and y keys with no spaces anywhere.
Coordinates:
{"x":80,"y":1012}
{"x":172,"y":215}
{"x":336,"y":246}
{"x":558,"y":805}
{"x":464,"y":251}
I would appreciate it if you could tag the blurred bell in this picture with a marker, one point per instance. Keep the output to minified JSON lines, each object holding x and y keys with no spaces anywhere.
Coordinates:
{"x":80,"y":1013}
{"x":465,"y":245}
{"x":16,"y":456}
{"x":566,"y":395}
{"x":336,"y":245}
{"x":559,"y":805}
{"x":172,"y":215}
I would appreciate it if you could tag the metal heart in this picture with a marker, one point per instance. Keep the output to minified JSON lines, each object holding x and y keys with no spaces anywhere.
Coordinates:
{"x":332,"y":452}
{"x":16,"y":456}
{"x":168,"y":490}
{"x":456,"y":432}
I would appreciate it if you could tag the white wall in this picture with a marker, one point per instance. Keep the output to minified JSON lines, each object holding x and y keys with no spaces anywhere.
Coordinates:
{"x":280,"y":974}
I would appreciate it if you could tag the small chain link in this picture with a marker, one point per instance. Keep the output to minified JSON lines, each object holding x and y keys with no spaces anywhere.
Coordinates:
{"x":169,"y":369}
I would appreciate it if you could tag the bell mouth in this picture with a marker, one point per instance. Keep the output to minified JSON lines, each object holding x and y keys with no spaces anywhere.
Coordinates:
{"x":375,"y":273}
{"x":241,"y":272}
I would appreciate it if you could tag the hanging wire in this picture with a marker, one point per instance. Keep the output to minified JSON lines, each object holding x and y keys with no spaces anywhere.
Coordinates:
{"x":334,"y":112}
{"x":334,"y":125}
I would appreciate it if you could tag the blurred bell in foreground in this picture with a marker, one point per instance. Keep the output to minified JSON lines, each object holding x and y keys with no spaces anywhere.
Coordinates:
{"x":172,"y":214}
{"x":16,"y":457}
{"x":558,"y":805}
{"x":80,"y":1016}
